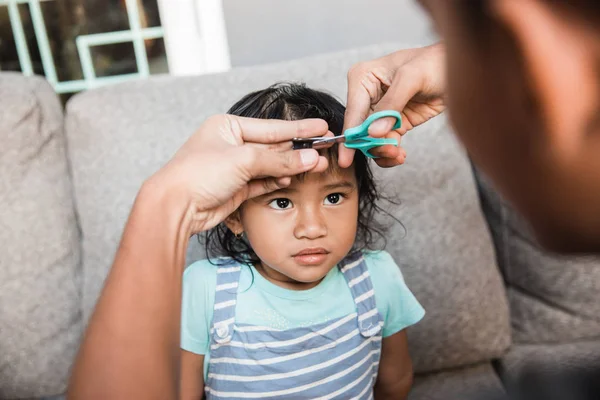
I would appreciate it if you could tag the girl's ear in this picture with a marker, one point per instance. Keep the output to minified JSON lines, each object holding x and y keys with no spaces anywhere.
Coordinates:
{"x":234,"y":223}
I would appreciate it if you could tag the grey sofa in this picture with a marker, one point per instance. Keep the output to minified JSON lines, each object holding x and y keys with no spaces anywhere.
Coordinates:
{"x":496,"y":303}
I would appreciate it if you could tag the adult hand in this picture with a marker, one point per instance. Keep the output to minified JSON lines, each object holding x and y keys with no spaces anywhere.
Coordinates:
{"x":228,"y":160}
{"x":231,"y":159}
{"x":411,"y":82}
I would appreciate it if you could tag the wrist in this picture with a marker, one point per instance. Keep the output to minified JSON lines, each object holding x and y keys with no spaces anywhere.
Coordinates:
{"x":166,"y":204}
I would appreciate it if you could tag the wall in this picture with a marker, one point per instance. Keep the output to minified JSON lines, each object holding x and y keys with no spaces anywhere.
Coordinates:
{"x":263,"y":31}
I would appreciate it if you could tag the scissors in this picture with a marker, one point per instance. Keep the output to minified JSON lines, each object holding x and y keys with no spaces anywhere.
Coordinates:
{"x":356,"y":138}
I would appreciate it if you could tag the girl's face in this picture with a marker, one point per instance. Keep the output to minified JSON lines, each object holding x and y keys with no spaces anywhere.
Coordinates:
{"x":300,"y":233}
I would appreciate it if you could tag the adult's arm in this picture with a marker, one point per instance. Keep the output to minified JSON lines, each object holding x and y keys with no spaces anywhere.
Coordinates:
{"x":131,"y":347}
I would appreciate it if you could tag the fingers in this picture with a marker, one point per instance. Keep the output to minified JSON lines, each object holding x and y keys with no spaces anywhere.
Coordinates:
{"x":257,"y":162}
{"x":274,"y":131}
{"x":390,"y":162}
{"x":364,"y":89}
{"x":383,"y":152}
{"x":277,"y":147}
{"x":263,"y":183}
{"x":258,"y":187}
{"x":389,"y":156}
{"x":345,"y":156}
{"x":359,"y":101}
{"x":387,"y":151}
{"x":405,"y":85}
{"x":284,"y":146}
{"x":321,"y":166}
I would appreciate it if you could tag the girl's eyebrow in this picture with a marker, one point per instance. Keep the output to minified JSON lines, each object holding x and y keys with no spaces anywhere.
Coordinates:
{"x":340,"y":185}
{"x":278,"y":192}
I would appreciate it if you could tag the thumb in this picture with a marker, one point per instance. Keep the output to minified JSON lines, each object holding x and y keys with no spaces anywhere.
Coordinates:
{"x":358,"y":106}
{"x":405,"y":86}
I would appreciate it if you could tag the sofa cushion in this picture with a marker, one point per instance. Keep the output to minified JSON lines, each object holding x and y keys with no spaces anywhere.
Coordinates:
{"x":478,"y":382}
{"x":553,"y":298}
{"x":39,"y":243}
{"x":553,"y":371}
{"x":118,"y":136}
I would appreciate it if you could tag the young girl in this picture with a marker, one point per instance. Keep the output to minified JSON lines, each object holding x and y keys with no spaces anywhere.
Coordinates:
{"x":300,"y":307}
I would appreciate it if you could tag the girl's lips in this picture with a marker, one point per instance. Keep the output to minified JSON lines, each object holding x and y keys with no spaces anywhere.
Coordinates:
{"x":310,"y":259}
{"x":312,"y":256}
{"x":311,"y":250}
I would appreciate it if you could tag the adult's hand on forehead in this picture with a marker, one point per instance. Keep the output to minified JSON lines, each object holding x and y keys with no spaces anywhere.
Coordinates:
{"x":410,"y":81}
{"x":230,"y":159}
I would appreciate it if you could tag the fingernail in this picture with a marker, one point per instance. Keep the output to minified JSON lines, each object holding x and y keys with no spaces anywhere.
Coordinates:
{"x":383,"y":125}
{"x":308,"y":157}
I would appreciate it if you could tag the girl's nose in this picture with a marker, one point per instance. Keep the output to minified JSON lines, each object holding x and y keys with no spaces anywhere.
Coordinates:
{"x":310,"y":224}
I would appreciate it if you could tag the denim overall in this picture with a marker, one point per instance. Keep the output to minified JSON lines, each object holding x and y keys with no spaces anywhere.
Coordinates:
{"x":337,"y":359}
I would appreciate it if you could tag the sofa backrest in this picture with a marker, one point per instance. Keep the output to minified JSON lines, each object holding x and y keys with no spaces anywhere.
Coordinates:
{"x":553,"y":298}
{"x":118,"y":136}
{"x":40,"y":318}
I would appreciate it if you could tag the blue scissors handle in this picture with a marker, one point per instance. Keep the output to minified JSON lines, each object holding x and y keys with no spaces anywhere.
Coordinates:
{"x":358,"y":138}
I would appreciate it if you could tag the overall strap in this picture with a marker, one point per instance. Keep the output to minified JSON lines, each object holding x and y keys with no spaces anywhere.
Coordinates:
{"x":228,"y":276}
{"x":355,"y":270}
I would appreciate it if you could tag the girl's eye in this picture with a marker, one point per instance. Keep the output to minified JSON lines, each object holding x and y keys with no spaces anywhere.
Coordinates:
{"x":280,"y":204}
{"x":333,"y":198}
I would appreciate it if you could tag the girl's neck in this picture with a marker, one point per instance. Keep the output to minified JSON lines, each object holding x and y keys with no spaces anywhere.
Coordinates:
{"x":281,"y":280}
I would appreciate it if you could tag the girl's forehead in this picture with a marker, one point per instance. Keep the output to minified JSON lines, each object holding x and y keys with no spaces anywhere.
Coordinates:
{"x":330,"y":176}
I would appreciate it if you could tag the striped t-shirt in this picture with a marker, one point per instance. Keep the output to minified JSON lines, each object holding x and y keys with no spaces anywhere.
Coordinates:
{"x":262,"y":303}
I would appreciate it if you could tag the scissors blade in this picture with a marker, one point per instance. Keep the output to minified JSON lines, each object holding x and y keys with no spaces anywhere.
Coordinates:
{"x":316,"y":142}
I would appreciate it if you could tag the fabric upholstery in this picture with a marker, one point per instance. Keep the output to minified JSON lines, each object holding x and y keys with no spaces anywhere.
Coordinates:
{"x":118,"y":136}
{"x":40,"y":319}
{"x":553,"y":298}
{"x":552,"y":371}
{"x":478,"y":382}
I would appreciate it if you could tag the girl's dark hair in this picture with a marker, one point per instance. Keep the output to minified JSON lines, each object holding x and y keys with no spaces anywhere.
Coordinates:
{"x":292,"y":101}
